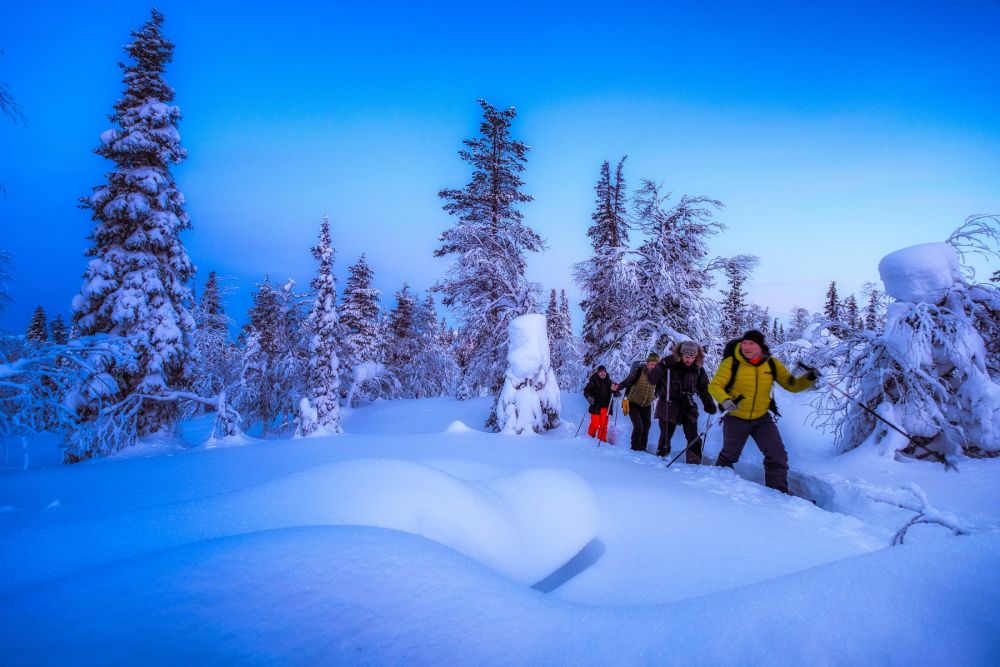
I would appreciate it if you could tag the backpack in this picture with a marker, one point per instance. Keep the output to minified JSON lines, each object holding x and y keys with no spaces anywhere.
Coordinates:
{"x":730,"y":351}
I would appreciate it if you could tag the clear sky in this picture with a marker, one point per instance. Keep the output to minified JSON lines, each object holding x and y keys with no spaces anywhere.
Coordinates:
{"x":833,"y":132}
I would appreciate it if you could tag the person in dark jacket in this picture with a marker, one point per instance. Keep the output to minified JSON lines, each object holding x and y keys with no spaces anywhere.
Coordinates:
{"x":598,"y":393}
{"x":683,"y":379}
{"x":640,"y":391}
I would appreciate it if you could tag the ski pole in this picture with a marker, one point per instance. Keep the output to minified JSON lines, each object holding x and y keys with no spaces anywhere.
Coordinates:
{"x":916,"y":441}
{"x":580,"y":426}
{"x":702,"y":436}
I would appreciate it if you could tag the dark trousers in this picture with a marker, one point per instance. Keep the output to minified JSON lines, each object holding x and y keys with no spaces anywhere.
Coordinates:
{"x":667,"y":429}
{"x":642,"y":419}
{"x":765,"y":435}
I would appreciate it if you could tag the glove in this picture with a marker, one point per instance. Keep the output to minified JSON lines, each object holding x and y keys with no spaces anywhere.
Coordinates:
{"x":590,"y":400}
{"x":625,"y":406}
{"x":710,"y":408}
{"x":729,"y":405}
{"x":812,"y":376}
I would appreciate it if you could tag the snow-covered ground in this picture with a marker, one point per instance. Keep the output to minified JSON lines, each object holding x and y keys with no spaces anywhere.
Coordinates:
{"x":414,"y":537}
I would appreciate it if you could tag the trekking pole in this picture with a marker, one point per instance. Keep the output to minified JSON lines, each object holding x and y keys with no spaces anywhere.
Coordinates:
{"x":580,"y":426}
{"x":915,"y":440}
{"x":703,"y":436}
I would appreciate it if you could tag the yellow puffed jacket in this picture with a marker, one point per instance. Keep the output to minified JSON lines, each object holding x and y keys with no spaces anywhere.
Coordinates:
{"x":753,"y":383}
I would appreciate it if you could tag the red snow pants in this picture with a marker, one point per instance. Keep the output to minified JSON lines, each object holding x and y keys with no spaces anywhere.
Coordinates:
{"x":599,"y":425}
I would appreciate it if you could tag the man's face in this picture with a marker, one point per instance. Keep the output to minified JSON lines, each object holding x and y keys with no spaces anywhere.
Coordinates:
{"x":602,"y":374}
{"x":650,"y":365}
{"x":750,"y":349}
{"x":688,"y":359}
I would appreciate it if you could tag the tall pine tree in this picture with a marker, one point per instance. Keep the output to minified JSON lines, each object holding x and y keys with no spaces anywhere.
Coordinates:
{"x":136,"y":284}
{"x":673,"y":272}
{"x":831,"y":309}
{"x":359,"y":316}
{"x":486,"y":286}
{"x":324,"y":331}
{"x":607,"y":279}
{"x":60,"y":333}
{"x":38,"y":329}
{"x":734,"y":305}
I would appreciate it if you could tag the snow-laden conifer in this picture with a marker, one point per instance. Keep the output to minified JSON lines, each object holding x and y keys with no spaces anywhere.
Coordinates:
{"x":38,"y":328}
{"x":359,"y":314}
{"x":674,"y":274}
{"x":274,"y":366}
{"x":607,"y":280}
{"x":530,"y":399}
{"x":135,"y":285}
{"x":324,"y":331}
{"x":486,"y":286}
{"x":219,"y":360}
{"x":928,"y":371}
{"x":60,"y":332}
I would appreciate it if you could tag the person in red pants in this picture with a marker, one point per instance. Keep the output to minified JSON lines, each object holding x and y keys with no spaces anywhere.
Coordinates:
{"x":598,"y":393}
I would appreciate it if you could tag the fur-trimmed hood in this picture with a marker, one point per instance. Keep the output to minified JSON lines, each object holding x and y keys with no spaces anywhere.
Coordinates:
{"x":699,"y":359}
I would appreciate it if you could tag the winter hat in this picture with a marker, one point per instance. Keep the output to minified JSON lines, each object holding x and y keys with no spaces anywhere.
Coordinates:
{"x":754,"y":336}
{"x":602,"y":368}
{"x":652,"y":356}
{"x":689,"y":348}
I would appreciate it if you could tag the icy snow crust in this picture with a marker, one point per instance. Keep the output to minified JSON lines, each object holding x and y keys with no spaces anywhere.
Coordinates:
{"x":384,"y":545}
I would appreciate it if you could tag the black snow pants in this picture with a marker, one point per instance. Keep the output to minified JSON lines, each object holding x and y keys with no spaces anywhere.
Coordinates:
{"x":642,"y":419}
{"x":690,"y":428}
{"x":764,"y":432}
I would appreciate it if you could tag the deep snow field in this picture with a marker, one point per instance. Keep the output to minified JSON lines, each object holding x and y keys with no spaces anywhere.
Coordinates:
{"x":416,"y":538}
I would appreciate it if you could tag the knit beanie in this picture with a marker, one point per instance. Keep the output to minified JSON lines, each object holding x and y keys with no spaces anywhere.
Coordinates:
{"x":754,"y":336}
{"x":652,"y":356}
{"x":689,"y":348}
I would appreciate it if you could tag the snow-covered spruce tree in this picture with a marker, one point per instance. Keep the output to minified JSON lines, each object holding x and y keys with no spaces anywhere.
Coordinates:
{"x":801,"y":319}
{"x":38,"y":328}
{"x":401,"y":343}
{"x":607,"y":279}
{"x":571,"y":373}
{"x":874,"y":316}
{"x":486,"y":286}
{"x":434,"y":369}
{"x":60,"y":333}
{"x":831,"y":308}
{"x":321,"y":414}
{"x":851,"y":315}
{"x":734,"y":306}
{"x":671,"y":301}
{"x":359,"y":316}
{"x":927,"y":372}
{"x":553,"y":330}
{"x":135,"y":285}
{"x":219,"y":360}
{"x":275,"y":356}
{"x":530,"y":400}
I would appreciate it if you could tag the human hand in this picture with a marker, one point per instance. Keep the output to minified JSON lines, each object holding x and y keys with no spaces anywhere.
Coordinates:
{"x":729,"y":405}
{"x":710,"y":408}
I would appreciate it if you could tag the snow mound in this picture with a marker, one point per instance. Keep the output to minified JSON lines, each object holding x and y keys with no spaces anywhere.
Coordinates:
{"x":458,"y":426}
{"x":523,"y":525}
{"x":921,"y":273}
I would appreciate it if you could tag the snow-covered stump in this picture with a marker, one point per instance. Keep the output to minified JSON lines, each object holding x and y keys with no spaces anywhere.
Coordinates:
{"x":529,"y":401}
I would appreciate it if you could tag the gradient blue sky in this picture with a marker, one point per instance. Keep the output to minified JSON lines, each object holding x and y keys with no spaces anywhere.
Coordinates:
{"x":833,"y":132}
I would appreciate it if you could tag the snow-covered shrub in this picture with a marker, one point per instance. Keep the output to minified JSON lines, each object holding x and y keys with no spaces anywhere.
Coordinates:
{"x":530,"y":398}
{"x":927,"y":372}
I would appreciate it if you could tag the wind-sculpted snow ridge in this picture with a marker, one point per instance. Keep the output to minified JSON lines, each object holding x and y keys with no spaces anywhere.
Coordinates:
{"x":524,"y":525}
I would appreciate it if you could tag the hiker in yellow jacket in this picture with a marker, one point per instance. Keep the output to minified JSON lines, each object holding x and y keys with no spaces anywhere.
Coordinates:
{"x":742,"y":386}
